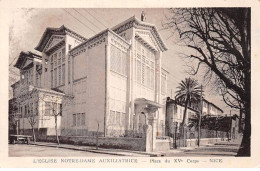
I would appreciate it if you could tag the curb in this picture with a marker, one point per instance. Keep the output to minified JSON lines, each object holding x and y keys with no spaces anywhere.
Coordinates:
{"x":93,"y":151}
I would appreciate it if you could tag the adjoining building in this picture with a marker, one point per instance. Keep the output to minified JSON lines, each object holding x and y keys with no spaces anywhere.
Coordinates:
{"x":30,"y":99}
{"x":112,"y":82}
{"x":211,"y":109}
{"x":215,"y":125}
{"x":175,"y":111}
{"x":174,"y":116}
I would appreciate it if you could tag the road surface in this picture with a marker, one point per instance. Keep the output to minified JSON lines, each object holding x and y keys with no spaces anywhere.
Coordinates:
{"x":24,"y":150}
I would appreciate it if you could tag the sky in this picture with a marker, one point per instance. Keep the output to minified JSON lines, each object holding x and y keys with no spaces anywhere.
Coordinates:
{"x":27,"y":27}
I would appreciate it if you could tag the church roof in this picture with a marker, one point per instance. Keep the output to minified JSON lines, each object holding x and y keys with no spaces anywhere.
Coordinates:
{"x":134,"y":22}
{"x":96,"y":37}
{"x":23,"y":56}
{"x":56,"y":31}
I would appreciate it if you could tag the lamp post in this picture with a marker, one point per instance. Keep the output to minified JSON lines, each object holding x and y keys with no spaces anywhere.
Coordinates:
{"x":201,"y":106}
{"x":175,"y":132}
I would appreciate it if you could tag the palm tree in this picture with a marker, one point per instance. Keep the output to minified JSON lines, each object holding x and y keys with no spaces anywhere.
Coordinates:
{"x":188,"y":91}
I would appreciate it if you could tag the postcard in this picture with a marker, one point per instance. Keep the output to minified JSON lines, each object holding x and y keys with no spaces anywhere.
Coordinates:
{"x":118,"y":84}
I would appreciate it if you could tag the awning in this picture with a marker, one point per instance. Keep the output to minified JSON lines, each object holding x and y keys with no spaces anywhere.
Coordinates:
{"x":149,"y":103}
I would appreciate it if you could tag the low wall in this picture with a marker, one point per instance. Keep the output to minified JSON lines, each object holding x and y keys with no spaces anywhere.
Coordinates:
{"x":137,"y":144}
{"x":162,"y":145}
{"x":204,"y":141}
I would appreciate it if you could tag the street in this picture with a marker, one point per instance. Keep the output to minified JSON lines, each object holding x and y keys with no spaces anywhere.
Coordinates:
{"x":224,"y":149}
{"x":23,"y":150}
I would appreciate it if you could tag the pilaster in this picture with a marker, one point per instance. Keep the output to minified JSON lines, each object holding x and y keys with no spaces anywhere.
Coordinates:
{"x":107,"y":70}
{"x":34,"y":73}
{"x":66,"y":66}
{"x":48,"y":76}
{"x":152,"y":121}
{"x":159,"y":76}
{"x":131,"y":79}
{"x":43,"y":70}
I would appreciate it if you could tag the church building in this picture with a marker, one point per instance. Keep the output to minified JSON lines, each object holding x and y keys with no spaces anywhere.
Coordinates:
{"x":113,"y":82}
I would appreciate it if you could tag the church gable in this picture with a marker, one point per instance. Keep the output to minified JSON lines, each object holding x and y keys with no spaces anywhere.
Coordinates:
{"x":142,"y":29}
{"x":25,"y":59}
{"x":148,"y":38}
{"x":26,"y":62}
{"x":54,"y":40}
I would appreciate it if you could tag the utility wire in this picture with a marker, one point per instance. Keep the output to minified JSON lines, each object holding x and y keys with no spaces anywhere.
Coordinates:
{"x":85,"y":18}
{"x":79,"y":21}
{"x":96,"y":18}
{"x":174,"y":78}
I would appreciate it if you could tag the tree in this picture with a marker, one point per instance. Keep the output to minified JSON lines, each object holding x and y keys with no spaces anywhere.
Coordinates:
{"x":14,"y":115}
{"x":32,"y":119}
{"x":56,"y":112}
{"x":54,"y":108}
{"x":188,"y":92}
{"x":219,"y":39}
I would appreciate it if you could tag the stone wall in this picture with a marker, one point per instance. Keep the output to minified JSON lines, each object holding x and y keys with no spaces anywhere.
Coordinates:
{"x":137,"y":144}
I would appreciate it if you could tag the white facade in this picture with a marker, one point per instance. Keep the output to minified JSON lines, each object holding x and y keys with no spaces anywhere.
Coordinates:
{"x":114,"y":80}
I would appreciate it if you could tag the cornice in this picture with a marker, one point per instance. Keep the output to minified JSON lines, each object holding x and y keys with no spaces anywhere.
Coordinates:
{"x":145,"y":43}
{"x":97,"y":40}
{"x":50,"y":41}
{"x":57,"y":31}
{"x":134,"y":22}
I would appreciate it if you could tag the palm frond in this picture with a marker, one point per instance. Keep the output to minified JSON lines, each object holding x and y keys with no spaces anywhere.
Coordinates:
{"x":188,"y":91}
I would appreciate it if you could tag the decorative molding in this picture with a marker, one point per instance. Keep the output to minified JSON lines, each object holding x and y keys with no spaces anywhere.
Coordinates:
{"x":119,"y":44}
{"x":148,"y":33}
{"x":51,"y":40}
{"x":146,"y":44}
{"x":90,"y":43}
{"x":75,"y":35}
{"x":96,"y":43}
{"x":144,"y":26}
{"x":124,"y":27}
{"x":55,"y":48}
{"x":99,"y":39}
{"x":49,"y":32}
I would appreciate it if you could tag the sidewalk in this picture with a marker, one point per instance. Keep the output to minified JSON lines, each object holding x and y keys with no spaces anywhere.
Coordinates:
{"x":232,"y":142}
{"x":225,"y":148}
{"x":183,"y":149}
{"x":116,"y":152}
